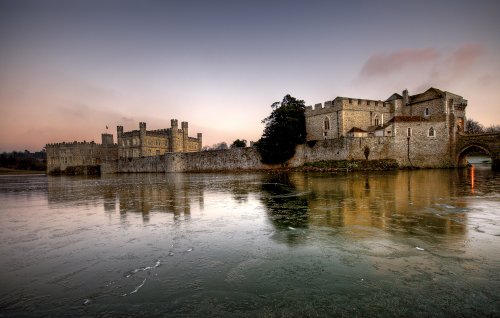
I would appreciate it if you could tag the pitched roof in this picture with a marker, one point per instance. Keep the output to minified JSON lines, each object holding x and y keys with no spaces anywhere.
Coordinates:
{"x":373,"y":128}
{"x":393,"y":97}
{"x":356,"y":129}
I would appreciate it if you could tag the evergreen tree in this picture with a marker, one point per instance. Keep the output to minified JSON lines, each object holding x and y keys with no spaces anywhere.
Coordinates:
{"x":285,"y":128}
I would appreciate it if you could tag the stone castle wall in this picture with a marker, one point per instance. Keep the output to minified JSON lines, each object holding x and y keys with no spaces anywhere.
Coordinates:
{"x":234,"y":159}
{"x":424,"y":151}
{"x":60,"y":156}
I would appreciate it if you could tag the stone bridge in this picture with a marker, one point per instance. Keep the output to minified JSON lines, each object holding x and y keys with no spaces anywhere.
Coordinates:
{"x":487,"y":142}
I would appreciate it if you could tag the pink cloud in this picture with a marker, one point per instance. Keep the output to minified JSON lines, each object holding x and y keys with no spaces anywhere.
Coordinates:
{"x":465,"y":56}
{"x":380,"y":64}
{"x":458,"y":63}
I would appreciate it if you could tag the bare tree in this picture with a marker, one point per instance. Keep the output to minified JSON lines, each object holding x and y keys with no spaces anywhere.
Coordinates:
{"x":473,"y":127}
{"x":220,"y":146}
{"x":492,"y":128}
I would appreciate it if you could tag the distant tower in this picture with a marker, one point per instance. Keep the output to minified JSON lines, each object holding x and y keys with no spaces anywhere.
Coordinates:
{"x":174,"y":137}
{"x":142,"y":138}
{"x":185,"y":137}
{"x":119,"y":134}
{"x":107,"y":139}
{"x":200,"y":141}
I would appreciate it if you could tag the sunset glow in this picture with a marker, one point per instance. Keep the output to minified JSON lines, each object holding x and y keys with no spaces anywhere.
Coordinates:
{"x":68,"y":69}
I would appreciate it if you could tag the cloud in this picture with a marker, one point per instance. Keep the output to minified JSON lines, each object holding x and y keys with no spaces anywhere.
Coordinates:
{"x":457,"y":64}
{"x":381,"y":64}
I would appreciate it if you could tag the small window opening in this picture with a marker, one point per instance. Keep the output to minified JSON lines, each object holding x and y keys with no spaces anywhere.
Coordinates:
{"x":327,"y":124}
{"x":432,"y":133}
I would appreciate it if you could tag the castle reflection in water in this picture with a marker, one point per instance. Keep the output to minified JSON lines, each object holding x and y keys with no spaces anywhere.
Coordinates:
{"x":413,"y":202}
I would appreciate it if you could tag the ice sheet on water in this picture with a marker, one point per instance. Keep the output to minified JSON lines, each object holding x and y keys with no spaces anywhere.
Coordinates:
{"x":141,"y":269}
{"x":136,"y":288}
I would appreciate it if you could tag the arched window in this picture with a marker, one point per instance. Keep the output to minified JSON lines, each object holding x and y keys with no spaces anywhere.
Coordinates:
{"x":431,"y":132}
{"x":327,"y":123}
{"x":377,"y":121}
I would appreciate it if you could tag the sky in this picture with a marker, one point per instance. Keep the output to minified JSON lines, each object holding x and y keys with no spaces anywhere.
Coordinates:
{"x":70,"y":68}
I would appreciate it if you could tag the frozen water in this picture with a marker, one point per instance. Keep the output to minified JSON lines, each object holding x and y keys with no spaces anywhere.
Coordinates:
{"x":251,"y":244}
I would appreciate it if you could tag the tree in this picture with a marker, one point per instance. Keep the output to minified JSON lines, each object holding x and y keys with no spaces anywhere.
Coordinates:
{"x":492,"y":128}
{"x":285,"y":128}
{"x":239,"y":143}
{"x":473,"y":127}
{"x":220,"y":146}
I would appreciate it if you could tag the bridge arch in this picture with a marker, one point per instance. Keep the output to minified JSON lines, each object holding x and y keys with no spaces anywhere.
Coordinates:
{"x":473,"y":147}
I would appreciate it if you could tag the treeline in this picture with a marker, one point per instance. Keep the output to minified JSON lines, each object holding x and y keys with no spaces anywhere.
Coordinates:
{"x":24,"y":160}
{"x":474,"y":127}
{"x":238,"y":143}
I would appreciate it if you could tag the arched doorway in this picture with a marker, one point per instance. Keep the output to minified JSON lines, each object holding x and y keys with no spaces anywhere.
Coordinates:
{"x":474,"y":154}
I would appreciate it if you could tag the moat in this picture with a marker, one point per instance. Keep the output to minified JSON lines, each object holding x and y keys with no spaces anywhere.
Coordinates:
{"x":392,"y":243}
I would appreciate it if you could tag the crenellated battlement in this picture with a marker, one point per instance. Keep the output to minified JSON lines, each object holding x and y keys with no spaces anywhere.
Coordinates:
{"x":343,"y":102}
{"x":72,"y":144}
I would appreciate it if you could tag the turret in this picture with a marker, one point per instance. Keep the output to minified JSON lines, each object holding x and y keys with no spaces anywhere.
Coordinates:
{"x":200,"y":141}
{"x":142,"y":138}
{"x":185,"y":138}
{"x":107,"y":139}
{"x":119,"y":131}
{"x":174,"y":137}
{"x":406,"y":97}
{"x":174,"y":124}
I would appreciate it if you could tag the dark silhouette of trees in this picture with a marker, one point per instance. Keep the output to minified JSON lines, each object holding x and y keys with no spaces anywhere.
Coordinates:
{"x":239,"y":143}
{"x":473,"y":127}
{"x":285,"y":128}
{"x":24,"y":160}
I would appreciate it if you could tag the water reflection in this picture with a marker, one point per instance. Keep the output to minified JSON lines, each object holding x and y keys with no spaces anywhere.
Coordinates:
{"x":420,"y":203}
{"x":252,"y":244}
{"x":414,"y":202}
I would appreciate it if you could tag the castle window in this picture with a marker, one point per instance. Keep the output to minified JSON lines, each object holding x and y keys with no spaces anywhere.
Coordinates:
{"x":431,"y":132}
{"x":408,"y":132}
{"x":327,"y":123}
{"x":427,"y":112}
{"x":377,"y":121}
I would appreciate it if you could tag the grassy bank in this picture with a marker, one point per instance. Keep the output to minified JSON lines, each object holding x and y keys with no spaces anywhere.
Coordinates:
{"x":7,"y":171}
{"x":351,"y":165}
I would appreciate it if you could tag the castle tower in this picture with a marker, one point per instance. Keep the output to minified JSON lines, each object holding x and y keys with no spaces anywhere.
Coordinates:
{"x":174,"y":137}
{"x":200,"y":141}
{"x":119,"y":134}
{"x":185,"y":138}
{"x":119,"y":131}
{"x":107,"y":139}
{"x":142,"y":139}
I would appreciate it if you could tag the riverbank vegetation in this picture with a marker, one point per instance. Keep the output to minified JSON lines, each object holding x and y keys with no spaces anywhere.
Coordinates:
{"x":351,"y":165}
{"x":27,"y":161}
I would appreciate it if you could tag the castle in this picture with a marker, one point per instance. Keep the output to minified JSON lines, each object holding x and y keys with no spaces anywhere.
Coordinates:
{"x":432,"y":114}
{"x":422,"y":130}
{"x":416,"y":130}
{"x":130,"y":144}
{"x":142,"y":142}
